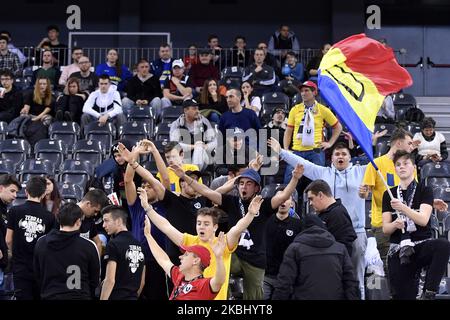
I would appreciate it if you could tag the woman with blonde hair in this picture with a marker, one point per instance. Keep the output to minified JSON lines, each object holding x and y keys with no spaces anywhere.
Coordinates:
{"x":69,"y":105}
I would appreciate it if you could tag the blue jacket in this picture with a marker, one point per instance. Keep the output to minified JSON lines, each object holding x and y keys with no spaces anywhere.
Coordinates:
{"x":111,"y":72}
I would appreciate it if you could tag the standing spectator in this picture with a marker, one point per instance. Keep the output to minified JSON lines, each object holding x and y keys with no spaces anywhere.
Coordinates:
{"x":9,"y":187}
{"x":216,"y":49}
{"x":58,"y":49}
{"x":316,"y":267}
{"x":191,"y":58}
{"x":77,"y":53}
{"x":47,"y":70}
{"x":142,"y":90}
{"x":117,"y":72}
{"x":125,"y":269}
{"x":259,"y":74}
{"x":282,"y":41}
{"x":312,"y":69}
{"x":88,"y":79}
{"x":203,"y":70}
{"x":11,"y":99}
{"x":239,"y":56}
{"x":69,"y":105}
{"x":177,"y":87}
{"x":12,"y":48}
{"x":162,"y":68}
{"x":9,"y":60}
{"x":103,"y":105}
{"x":249,"y":99}
{"x":281,"y":230}
{"x":212,"y":103}
{"x":63,"y":254}
{"x":196,"y":128}
{"x":332,"y":212}
{"x":292,"y":69}
{"x":26,"y":224}
{"x":52,"y":199}
{"x":432,"y":146}
{"x":38,"y":104}
{"x":406,"y":219}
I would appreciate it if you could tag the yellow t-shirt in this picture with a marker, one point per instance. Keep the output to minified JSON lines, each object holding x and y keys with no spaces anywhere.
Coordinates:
{"x":372,"y":179}
{"x":321,"y":114}
{"x":175,"y":180}
{"x":190,"y":240}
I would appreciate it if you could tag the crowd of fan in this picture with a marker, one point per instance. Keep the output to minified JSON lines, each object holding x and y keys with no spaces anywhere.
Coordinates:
{"x":161,"y":207}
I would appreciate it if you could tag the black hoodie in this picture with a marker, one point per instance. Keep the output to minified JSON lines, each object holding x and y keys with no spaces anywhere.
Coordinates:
{"x":66,"y":266}
{"x":316,"y":267}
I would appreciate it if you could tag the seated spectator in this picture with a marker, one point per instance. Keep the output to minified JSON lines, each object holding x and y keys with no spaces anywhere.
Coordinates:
{"x":52,"y":199}
{"x":77,"y":53}
{"x":38,"y":104}
{"x":235,"y":151}
{"x":59,"y":50}
{"x":88,"y":79}
{"x":69,"y":105}
{"x":47,"y":70}
{"x":212,"y":103}
{"x":259,"y":74}
{"x":11,"y":99}
{"x":216,"y":50}
{"x":191,"y":58}
{"x":432,"y":145}
{"x":142,"y":90}
{"x":270,"y":59}
{"x":103,"y":105}
{"x":194,"y":134}
{"x":178,"y":87}
{"x":12,"y":48}
{"x":162,"y":67}
{"x":117,"y":72}
{"x":386,"y":114}
{"x":9,"y":60}
{"x":283,"y":40}
{"x":203,"y":70}
{"x":312,"y":68}
{"x":277,"y":126}
{"x":293,"y":70}
{"x":239,"y":56}
{"x":249,"y":99}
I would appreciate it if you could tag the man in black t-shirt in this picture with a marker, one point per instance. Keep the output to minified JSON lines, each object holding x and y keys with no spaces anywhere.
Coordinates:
{"x":125,"y":269}
{"x":26,"y":224}
{"x":67,"y":266}
{"x":332,"y":212}
{"x":281,"y":229}
{"x":177,"y":87}
{"x":406,"y":218}
{"x":250,"y":256}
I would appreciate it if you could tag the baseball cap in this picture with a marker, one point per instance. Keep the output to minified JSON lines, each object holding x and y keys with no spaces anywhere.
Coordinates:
{"x":201,"y":252}
{"x":177,"y":63}
{"x":309,"y":84}
{"x":237,"y":133}
{"x":252,"y":175}
{"x":190,"y":103}
{"x":279,"y":109}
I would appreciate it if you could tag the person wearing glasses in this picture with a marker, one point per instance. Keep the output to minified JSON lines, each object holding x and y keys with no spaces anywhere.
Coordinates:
{"x":88,"y":79}
{"x":11,"y":99}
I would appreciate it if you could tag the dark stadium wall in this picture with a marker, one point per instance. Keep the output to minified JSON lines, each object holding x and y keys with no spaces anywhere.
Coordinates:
{"x":314,"y":22}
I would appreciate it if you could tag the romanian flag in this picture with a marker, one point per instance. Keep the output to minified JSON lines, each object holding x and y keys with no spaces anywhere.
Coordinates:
{"x":354,"y":77}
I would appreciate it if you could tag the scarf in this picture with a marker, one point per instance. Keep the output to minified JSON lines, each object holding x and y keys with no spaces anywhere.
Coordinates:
{"x":307,"y":127}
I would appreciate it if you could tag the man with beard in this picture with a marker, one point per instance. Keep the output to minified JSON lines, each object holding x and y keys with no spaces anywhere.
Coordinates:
{"x":250,"y":257}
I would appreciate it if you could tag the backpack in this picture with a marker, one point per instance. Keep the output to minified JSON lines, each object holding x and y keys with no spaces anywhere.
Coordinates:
{"x":16,"y":127}
{"x":414,"y":115}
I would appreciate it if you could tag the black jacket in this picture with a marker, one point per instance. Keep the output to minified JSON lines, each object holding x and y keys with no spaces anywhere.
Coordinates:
{"x":3,"y":246}
{"x":59,"y":259}
{"x":316,"y":267}
{"x":339,"y":224}
{"x":147,"y":90}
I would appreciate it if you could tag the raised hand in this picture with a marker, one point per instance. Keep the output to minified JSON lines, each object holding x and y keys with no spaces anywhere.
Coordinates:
{"x":178,"y":170}
{"x":274,"y":144}
{"x":256,"y":163}
{"x":125,"y":153}
{"x":147,"y":227}
{"x":255,"y":205}
{"x":144,"y":197}
{"x":219,"y":247}
{"x":298,"y":171}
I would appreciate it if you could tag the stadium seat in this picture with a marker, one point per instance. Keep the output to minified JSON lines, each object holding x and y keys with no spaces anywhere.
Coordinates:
{"x":434,"y":223}
{"x":413,"y":128}
{"x":76,"y":172}
{"x":296,"y":100}
{"x":144,"y":115}
{"x":88,"y":150}
{"x":231,"y":77}
{"x":162,"y":131}
{"x":133,"y":132}
{"x":286,"y":86}
{"x":400,"y":111}
{"x":270,"y":101}
{"x":7,"y":167}
{"x":404,"y":99}
{"x":160,"y":144}
{"x":105,"y":134}
{"x":69,"y":132}
{"x":437,"y":182}
{"x":70,"y":192}
{"x":108,"y":184}
{"x":172,"y":113}
{"x":16,"y":150}
{"x":382,"y":146}
{"x":21,"y":196}
{"x":53,"y":150}
{"x":35,"y":167}
{"x":3,"y":132}
{"x":438,"y":169}
{"x":385,"y":126}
